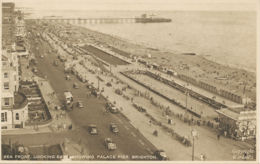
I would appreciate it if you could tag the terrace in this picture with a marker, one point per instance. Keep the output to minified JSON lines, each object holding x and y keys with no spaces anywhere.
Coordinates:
{"x":20,"y":100}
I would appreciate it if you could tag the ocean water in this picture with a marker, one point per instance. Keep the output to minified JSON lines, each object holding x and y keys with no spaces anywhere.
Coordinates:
{"x":227,"y":37}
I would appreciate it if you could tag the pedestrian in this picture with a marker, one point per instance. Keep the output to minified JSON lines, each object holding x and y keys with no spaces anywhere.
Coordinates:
{"x":201,"y":157}
{"x":225,"y":133}
{"x":218,"y":136}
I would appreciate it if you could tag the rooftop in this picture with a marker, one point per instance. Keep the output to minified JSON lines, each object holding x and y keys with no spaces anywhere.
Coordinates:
{"x":241,"y":115}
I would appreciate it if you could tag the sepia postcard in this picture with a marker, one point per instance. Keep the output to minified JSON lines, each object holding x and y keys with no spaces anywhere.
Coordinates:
{"x":129,"y":81}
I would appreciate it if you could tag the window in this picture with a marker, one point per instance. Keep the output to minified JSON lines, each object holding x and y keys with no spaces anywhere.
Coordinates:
{"x":4,"y":117}
{"x":6,"y":85}
{"x":6,"y":102}
{"x":5,"y":75}
{"x":17,"y":116}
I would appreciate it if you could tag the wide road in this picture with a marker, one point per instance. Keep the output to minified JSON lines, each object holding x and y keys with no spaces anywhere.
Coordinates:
{"x":129,"y":141}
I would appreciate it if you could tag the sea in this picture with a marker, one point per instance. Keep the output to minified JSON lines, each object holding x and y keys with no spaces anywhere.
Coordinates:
{"x":226,"y":37}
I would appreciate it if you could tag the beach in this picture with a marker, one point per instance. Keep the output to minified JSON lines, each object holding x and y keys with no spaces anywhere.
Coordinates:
{"x":222,"y":76}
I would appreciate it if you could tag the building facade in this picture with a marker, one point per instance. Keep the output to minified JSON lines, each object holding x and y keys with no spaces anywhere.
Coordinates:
{"x":8,"y":21}
{"x":14,"y":105}
{"x":239,"y":124}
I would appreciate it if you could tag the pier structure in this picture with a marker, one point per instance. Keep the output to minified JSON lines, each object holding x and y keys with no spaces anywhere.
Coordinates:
{"x":89,"y":20}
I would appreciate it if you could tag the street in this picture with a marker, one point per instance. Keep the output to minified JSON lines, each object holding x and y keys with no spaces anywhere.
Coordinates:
{"x":129,"y":141}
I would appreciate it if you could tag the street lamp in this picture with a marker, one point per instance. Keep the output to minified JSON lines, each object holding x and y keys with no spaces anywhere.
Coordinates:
{"x":194,"y":134}
{"x":98,"y":69}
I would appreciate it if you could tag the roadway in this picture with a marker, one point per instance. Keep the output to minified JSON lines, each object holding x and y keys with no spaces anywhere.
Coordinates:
{"x":129,"y":141}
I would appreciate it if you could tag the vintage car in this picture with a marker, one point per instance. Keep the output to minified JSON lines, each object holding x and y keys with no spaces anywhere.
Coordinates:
{"x":92,"y":129}
{"x":114,"y":128}
{"x":110,"y":145}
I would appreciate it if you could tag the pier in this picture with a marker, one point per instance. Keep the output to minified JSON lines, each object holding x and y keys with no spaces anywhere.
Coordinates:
{"x":89,"y":20}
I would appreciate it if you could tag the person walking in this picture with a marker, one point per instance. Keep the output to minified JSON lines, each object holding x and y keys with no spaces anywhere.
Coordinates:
{"x":150,"y":122}
{"x":218,"y":136}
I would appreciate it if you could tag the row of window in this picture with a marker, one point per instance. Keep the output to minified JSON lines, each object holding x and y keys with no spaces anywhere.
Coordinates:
{"x":6,"y":74}
{"x":6,"y":84}
{"x":4,"y":117}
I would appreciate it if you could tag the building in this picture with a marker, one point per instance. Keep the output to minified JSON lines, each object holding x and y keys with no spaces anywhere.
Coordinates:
{"x":238,"y":122}
{"x":8,"y":21}
{"x":14,"y":105}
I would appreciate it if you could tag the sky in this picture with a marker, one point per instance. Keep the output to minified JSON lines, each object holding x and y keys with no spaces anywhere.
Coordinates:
{"x":137,"y":4}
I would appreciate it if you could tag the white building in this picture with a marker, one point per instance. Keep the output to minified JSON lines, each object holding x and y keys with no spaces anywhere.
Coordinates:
{"x":14,"y":106}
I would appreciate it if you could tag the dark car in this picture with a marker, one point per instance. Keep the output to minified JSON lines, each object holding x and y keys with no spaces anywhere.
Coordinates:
{"x":160,"y":155}
{"x":75,"y":85}
{"x":109,"y":84}
{"x":80,"y":104}
{"x":111,"y":108}
{"x":114,"y":128}
{"x":92,"y":129}
{"x":55,"y":63}
{"x":110,"y":145}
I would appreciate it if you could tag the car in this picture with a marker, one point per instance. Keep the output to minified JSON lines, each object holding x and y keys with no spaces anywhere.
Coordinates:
{"x":35,"y":70}
{"x":95,"y":92}
{"x":114,"y":128}
{"x":67,"y":77}
{"x":75,"y":85}
{"x":92,"y":129}
{"x":109,"y":84}
{"x":110,"y":145}
{"x":80,"y":104}
{"x":55,"y":63}
{"x":111,"y":108}
{"x":161,"y":155}
{"x":89,"y":86}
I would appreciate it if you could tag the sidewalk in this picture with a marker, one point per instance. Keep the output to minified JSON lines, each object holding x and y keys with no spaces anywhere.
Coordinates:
{"x":27,"y":130}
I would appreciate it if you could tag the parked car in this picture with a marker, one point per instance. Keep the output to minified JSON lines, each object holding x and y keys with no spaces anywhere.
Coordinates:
{"x":114,"y":128}
{"x":118,"y":91}
{"x":75,"y":85}
{"x":110,"y":145}
{"x":80,"y":104}
{"x":55,"y":63}
{"x":89,"y":86}
{"x":109,"y":84}
{"x":111,"y":108}
{"x":95,"y":92}
{"x":161,"y":155}
{"x":67,"y":77}
{"x":35,"y":70}
{"x":92,"y":129}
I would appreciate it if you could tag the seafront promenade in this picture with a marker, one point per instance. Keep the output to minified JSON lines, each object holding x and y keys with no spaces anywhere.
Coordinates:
{"x":122,"y":105}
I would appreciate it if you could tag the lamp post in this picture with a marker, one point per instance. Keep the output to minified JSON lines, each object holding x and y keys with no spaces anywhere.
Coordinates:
{"x":194,"y":134}
{"x":98,"y":76}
